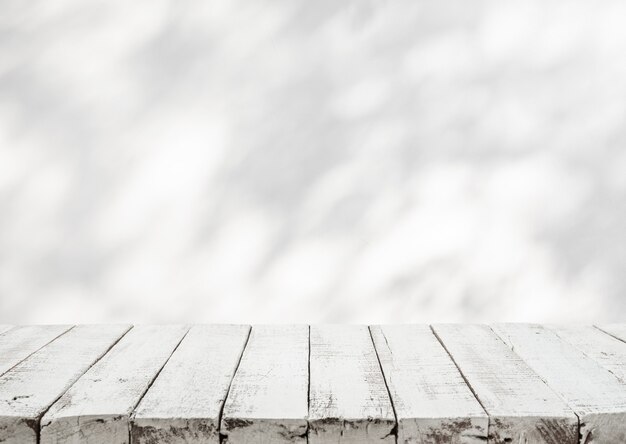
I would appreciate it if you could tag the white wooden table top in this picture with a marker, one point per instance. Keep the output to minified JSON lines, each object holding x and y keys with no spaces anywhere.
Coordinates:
{"x":453,"y":383}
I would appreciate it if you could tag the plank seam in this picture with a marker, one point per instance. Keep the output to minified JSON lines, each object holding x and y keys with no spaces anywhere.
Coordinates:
{"x":464,"y":379}
{"x":47,"y":343}
{"x":609,"y":333}
{"x":577,"y":347}
{"x":308,"y":388}
{"x":540,"y":377}
{"x":11,"y":327}
{"x":394,"y":430}
{"x":43,"y":413}
{"x":221,"y":437}
{"x":132,"y":412}
{"x":52,"y":403}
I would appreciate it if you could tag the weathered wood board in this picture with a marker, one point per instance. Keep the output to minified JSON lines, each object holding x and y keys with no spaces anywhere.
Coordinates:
{"x":521,"y":407}
{"x":97,"y":408}
{"x":595,"y":394}
{"x":410,"y":384}
{"x":432,"y":402}
{"x":268,"y":398}
{"x":348,"y":400}
{"x":618,"y":331}
{"x":29,"y":388}
{"x":19,"y":343}
{"x":184,"y":403}
{"x":603,"y":348}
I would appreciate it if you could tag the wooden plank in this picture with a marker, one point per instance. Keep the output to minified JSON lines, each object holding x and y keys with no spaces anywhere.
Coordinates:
{"x":348,"y":401}
{"x":596,"y":395}
{"x":97,"y":408}
{"x":185,"y":401}
{"x":521,"y":407}
{"x":29,"y":388}
{"x":433,"y":404}
{"x":19,"y":343}
{"x":606,"y":350}
{"x":268,"y":398}
{"x":618,"y":331}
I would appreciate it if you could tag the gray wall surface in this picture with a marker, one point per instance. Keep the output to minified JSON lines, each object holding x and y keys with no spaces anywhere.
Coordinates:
{"x":312,"y":161}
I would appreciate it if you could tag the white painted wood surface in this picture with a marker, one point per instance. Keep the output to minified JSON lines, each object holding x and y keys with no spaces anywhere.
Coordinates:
{"x":268,"y":398}
{"x":595,"y":394}
{"x":603,"y":348}
{"x":616,"y":330}
{"x":20,"y":342}
{"x":185,"y":401}
{"x":348,"y":400}
{"x":97,"y":408}
{"x":521,"y":407}
{"x":432,"y":402}
{"x":79,"y":385}
{"x":29,"y":388}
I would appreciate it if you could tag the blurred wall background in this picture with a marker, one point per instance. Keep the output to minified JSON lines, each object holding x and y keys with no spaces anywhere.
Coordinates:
{"x":312,"y":161}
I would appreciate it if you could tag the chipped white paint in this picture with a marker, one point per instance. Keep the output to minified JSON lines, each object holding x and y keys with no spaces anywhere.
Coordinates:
{"x":595,"y":394}
{"x":184,"y":403}
{"x":20,"y":342}
{"x":267,"y":402}
{"x":29,"y":388}
{"x":520,"y":405}
{"x":97,"y":408}
{"x":432,"y":402}
{"x":349,"y":402}
{"x":606,"y":350}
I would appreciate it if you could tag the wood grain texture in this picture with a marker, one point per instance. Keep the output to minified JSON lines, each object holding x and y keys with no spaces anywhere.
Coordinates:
{"x":29,"y":388}
{"x":19,"y":343}
{"x":433,"y":404}
{"x":97,"y":408}
{"x":268,"y":398}
{"x":348,"y":401}
{"x":521,"y":407}
{"x":603,"y":348}
{"x":596,"y":395}
{"x":184,"y":403}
